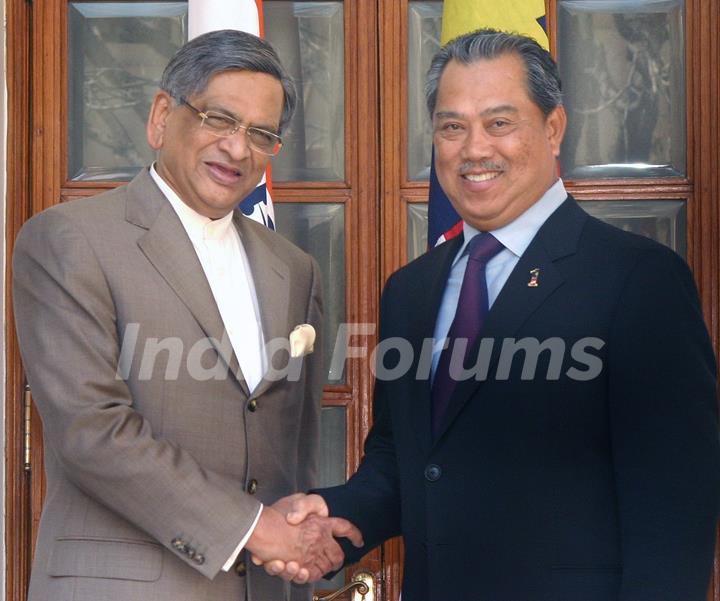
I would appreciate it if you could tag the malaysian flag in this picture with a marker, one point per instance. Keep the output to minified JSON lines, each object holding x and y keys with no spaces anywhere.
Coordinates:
{"x":243,"y":15}
{"x":462,"y":16}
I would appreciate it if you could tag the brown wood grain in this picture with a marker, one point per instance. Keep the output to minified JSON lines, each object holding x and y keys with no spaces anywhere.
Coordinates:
{"x":17,"y":487}
{"x":41,"y":172}
{"x":703,"y":115}
{"x":700,"y":189}
{"x":375,"y":194}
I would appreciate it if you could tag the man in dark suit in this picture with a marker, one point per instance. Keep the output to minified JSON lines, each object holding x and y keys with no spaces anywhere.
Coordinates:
{"x":145,"y":318}
{"x":573,"y":454}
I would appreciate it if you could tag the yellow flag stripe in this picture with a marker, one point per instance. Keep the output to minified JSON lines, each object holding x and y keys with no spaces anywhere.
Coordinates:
{"x":520,"y":16}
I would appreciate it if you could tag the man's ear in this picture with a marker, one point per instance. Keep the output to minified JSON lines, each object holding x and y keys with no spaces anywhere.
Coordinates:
{"x":160,"y":109}
{"x":555,"y":124}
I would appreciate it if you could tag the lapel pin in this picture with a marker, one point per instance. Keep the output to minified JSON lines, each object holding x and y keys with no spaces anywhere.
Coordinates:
{"x":534,"y":275}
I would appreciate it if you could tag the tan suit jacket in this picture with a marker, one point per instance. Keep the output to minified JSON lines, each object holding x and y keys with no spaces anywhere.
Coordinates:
{"x":155,"y":474}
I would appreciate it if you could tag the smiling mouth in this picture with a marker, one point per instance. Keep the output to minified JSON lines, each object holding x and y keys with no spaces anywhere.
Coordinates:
{"x":227,"y":169}
{"x":223,"y":171}
{"x":482,"y":177}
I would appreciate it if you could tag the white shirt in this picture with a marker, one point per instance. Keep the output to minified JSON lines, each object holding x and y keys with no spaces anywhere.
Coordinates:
{"x":222,"y":256}
{"x":516,"y":236}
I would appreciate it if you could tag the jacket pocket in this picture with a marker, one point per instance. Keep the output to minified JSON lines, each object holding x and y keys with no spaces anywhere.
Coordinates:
{"x":120,"y":559}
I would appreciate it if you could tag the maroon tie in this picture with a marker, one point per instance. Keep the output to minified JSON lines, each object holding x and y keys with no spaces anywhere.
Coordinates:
{"x":472,"y":309}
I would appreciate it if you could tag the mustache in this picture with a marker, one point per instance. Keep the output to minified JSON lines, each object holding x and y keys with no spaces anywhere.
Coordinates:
{"x":469,"y":166}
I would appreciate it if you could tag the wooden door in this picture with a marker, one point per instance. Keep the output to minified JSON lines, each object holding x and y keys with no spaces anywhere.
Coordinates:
{"x":641,"y":82}
{"x":83,"y":77}
{"x":362,"y":184}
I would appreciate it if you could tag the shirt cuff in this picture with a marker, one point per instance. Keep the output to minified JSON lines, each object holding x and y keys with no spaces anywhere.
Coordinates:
{"x":229,"y":563}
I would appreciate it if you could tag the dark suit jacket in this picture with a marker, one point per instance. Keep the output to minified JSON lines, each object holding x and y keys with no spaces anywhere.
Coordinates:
{"x":543,"y":489}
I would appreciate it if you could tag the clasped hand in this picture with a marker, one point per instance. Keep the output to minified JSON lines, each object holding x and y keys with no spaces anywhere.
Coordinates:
{"x":295,"y":539}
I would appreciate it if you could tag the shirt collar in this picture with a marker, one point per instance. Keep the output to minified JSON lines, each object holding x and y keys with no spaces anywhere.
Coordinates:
{"x":198,"y":227}
{"x":517,"y":235}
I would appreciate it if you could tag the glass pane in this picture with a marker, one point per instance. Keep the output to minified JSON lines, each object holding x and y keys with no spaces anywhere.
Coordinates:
{"x":622,"y":66}
{"x":332,"y":446}
{"x":309,"y":38}
{"x":424,"y":25}
{"x":117,"y":53}
{"x":319,"y":229}
{"x":417,"y":219}
{"x":661,"y":220}
{"x":333,"y":434}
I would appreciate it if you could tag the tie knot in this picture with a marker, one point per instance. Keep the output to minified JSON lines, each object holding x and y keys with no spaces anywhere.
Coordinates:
{"x":484,"y":247}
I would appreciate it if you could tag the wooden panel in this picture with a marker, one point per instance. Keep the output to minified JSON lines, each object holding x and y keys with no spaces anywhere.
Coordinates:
{"x":48,"y":115}
{"x":17,"y":487}
{"x":375,"y":195}
{"x":393,"y":29}
{"x":703,"y":56}
{"x":393,"y":32}
{"x":362,"y":210}
{"x":43,"y":129}
{"x":701,"y":188}
{"x":361,"y":218}
{"x":703,"y":83}
{"x":48,"y":166}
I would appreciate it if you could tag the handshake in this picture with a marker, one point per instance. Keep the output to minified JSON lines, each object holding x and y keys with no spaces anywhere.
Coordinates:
{"x":295,"y":539}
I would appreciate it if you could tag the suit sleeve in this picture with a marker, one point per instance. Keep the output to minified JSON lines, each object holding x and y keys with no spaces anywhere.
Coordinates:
{"x":68,"y":337}
{"x":663,"y":419}
{"x":371,"y":498}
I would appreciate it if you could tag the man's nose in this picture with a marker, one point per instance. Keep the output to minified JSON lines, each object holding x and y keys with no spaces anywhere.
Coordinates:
{"x":236,"y":145}
{"x":478,"y":144}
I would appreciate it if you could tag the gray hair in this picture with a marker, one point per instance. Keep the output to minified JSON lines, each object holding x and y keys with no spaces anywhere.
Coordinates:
{"x":543,"y":79}
{"x":190,"y":70}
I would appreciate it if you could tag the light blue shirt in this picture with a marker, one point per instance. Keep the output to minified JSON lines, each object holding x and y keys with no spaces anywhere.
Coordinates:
{"x":515,"y":237}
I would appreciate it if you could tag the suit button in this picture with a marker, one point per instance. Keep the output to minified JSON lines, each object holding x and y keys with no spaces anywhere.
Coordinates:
{"x":178,"y":544}
{"x":199,"y":559}
{"x":252,"y":486}
{"x":433,"y":472}
{"x":252,"y":405}
{"x":240,"y":568}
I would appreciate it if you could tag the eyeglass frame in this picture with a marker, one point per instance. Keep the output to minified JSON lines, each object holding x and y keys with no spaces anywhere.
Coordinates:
{"x":236,"y":128}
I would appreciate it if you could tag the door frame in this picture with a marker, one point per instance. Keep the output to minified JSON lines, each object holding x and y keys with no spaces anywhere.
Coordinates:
{"x":37,"y":42}
{"x":17,"y":480}
{"x":700,"y":188}
{"x":391,"y":194}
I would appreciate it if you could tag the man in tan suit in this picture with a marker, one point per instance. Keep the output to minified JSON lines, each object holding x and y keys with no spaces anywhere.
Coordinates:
{"x":147,"y":318}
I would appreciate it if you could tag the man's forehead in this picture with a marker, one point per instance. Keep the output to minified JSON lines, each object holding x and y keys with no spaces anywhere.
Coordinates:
{"x":496,"y":80}
{"x":247,"y":96}
{"x":240,"y":84}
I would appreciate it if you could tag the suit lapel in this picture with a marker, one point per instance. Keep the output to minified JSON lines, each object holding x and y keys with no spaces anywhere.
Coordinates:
{"x":557,"y":238}
{"x":432,"y":276}
{"x":167,"y":246}
{"x":272,"y":287}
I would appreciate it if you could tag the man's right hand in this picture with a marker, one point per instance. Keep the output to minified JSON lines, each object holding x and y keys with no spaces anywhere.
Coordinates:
{"x":294,"y":539}
{"x":309,"y":513}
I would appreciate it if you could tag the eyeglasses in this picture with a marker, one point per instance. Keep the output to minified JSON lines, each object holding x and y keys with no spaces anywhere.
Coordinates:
{"x":224,"y":126}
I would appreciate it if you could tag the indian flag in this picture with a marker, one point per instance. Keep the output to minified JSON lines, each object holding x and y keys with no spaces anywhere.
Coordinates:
{"x":243,"y":15}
